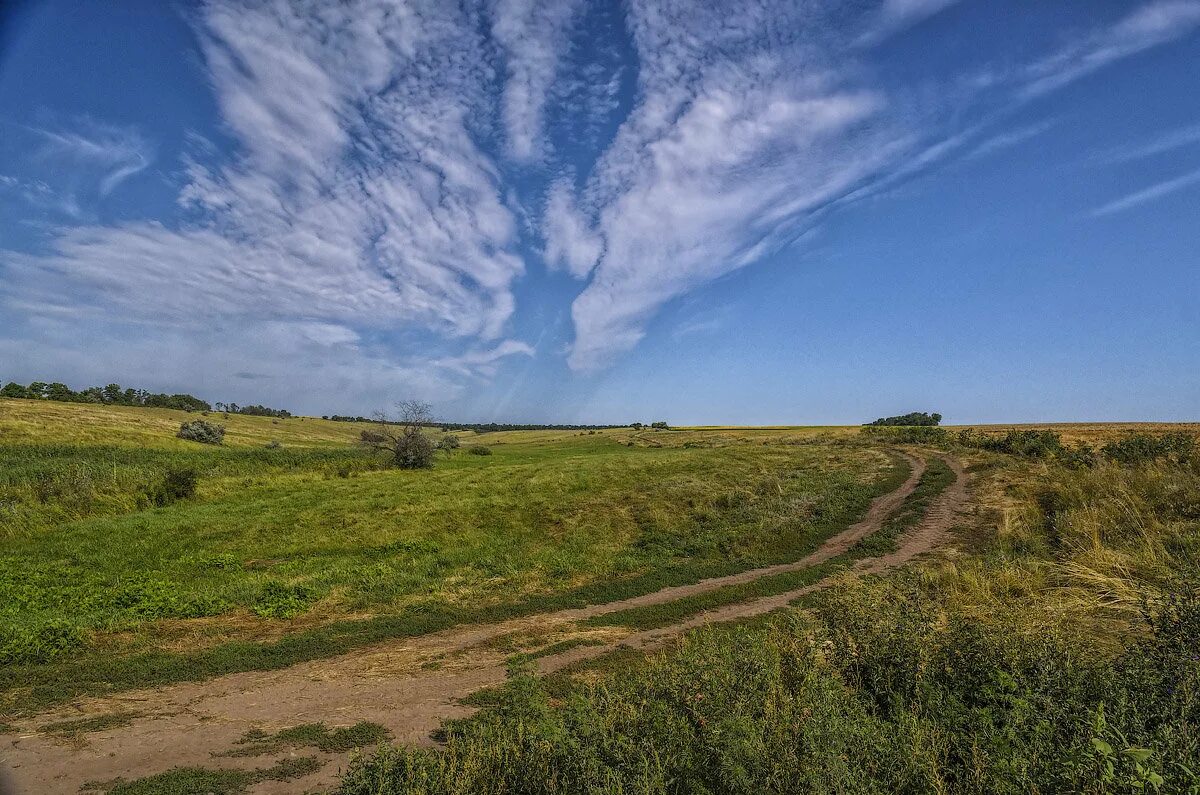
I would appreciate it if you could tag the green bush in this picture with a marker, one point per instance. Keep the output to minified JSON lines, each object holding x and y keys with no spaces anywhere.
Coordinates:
{"x":202,"y":431}
{"x":1139,"y":448}
{"x":479,"y":449}
{"x":179,"y":483}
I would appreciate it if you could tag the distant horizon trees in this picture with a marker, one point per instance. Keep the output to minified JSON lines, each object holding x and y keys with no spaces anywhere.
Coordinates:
{"x":116,"y":395}
{"x":912,"y":419}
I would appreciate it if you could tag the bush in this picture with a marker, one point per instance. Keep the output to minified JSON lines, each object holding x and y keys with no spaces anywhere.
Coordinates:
{"x":1139,"y":448}
{"x":202,"y":431}
{"x":449,"y":442}
{"x":274,"y":445}
{"x":177,"y":484}
{"x":479,"y":449}
{"x":413,"y":450}
{"x":913,"y":434}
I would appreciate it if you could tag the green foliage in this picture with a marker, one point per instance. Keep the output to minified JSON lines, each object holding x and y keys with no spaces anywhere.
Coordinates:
{"x":111,"y":395}
{"x":313,"y":735}
{"x":479,"y":449}
{"x":202,"y":431}
{"x":208,"y":781}
{"x":280,"y":600}
{"x":915,"y":434}
{"x":177,"y":484}
{"x":1027,"y":443}
{"x":1139,"y":448}
{"x":883,"y":693}
{"x":449,"y":442}
{"x":39,"y":643}
{"x":915,"y":418}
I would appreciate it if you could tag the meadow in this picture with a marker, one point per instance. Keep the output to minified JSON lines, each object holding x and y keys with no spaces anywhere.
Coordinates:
{"x":1052,"y":649}
{"x":312,"y":546}
{"x":1047,"y":645}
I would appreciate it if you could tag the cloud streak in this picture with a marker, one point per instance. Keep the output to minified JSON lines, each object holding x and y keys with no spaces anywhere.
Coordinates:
{"x":1149,"y":194}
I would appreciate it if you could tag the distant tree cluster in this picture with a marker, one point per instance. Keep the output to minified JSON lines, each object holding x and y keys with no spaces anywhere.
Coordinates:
{"x":913,"y":419}
{"x":115,"y":395}
{"x":252,"y":410}
{"x":111,"y":395}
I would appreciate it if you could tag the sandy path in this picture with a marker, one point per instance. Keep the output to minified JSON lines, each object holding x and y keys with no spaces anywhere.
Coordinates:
{"x":392,"y":683}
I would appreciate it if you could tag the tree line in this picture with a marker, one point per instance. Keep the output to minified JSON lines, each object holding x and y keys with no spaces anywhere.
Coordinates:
{"x":116,"y":395}
{"x":486,"y":427}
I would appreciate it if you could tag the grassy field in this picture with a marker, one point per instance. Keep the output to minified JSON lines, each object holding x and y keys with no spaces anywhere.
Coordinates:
{"x":311,"y":548}
{"x":1054,"y":653}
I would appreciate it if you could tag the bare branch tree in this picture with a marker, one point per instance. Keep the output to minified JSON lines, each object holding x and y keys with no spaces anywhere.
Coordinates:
{"x":405,"y":439}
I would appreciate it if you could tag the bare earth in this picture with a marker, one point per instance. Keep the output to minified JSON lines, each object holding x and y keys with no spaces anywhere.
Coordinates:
{"x":409,"y":686}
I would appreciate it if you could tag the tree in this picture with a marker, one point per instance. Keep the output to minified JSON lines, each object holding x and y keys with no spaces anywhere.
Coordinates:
{"x":915,"y":418}
{"x":660,"y":425}
{"x":112,"y":393}
{"x":14,"y":390}
{"x":405,"y":440}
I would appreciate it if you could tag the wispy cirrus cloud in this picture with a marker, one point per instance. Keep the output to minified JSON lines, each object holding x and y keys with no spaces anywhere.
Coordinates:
{"x":534,"y":37}
{"x":1148,"y":25}
{"x":111,"y":152}
{"x":894,"y":16}
{"x":1159,"y":144}
{"x":358,"y":196}
{"x":1148,"y":194}
{"x":393,"y":164}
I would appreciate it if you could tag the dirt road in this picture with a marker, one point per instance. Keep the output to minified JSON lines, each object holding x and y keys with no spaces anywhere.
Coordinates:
{"x":409,"y":685}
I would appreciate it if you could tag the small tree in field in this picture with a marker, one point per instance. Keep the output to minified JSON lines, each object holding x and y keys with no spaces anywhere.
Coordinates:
{"x":405,"y":441}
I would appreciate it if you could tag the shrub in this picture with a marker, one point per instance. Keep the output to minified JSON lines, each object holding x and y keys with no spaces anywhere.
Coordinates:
{"x":1141,"y":448}
{"x":912,"y":434}
{"x":449,"y":442}
{"x":479,"y":449}
{"x":177,"y":484}
{"x":202,"y":431}
{"x":274,"y":445}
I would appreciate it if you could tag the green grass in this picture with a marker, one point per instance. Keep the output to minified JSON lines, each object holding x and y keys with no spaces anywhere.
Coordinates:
{"x":937,"y":478}
{"x":209,"y":781}
{"x":72,"y":728}
{"x":934,"y":480}
{"x":311,"y":735}
{"x":1057,"y":656}
{"x":279,"y":557}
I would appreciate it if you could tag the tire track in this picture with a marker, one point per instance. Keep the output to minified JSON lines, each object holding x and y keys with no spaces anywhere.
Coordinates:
{"x":391,"y":683}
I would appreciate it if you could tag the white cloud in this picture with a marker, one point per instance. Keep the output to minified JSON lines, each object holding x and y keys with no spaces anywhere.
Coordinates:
{"x":570,"y":241}
{"x":717,"y":164}
{"x":896,"y":15}
{"x":1140,"y":197}
{"x":534,"y":37}
{"x":114,"y":153}
{"x":1010,"y":138}
{"x":358,"y":196}
{"x":1147,"y":26}
{"x":1165,"y":142}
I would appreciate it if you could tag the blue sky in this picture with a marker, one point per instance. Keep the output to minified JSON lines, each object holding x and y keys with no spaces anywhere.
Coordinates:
{"x":768,"y":212}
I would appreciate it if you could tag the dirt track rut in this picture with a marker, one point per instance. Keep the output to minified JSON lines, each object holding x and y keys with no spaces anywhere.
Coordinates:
{"x":393,"y":683}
